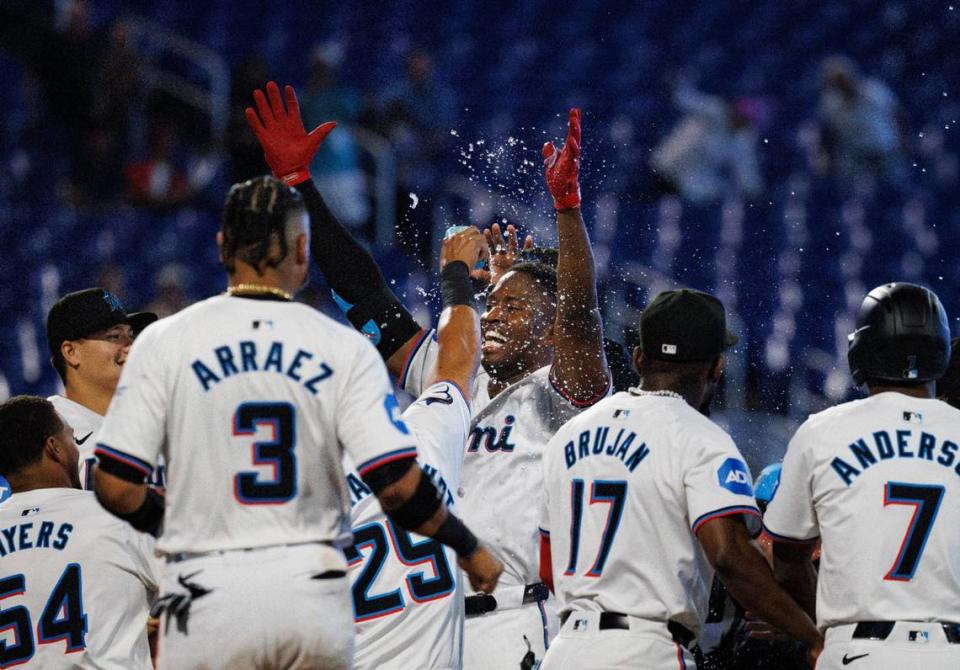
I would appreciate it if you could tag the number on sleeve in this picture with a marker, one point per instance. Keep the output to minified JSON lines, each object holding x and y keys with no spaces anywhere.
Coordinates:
{"x":411,"y":553}
{"x":926,"y":501}
{"x":613,"y":493}
{"x":62,"y":618}
{"x":248,"y":486}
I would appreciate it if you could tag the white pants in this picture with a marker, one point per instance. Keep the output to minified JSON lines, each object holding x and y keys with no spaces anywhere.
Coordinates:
{"x":645,"y":646}
{"x":256,"y":610}
{"x":910,"y":646}
{"x":495,"y":640}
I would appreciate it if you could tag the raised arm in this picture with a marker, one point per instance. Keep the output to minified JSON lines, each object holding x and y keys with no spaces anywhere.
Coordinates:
{"x":351,"y":271}
{"x":458,"y":333}
{"x":580,"y":366}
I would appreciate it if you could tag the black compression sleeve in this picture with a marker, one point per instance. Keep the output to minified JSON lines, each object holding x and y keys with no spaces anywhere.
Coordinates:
{"x":148,"y":517}
{"x":454,"y":533}
{"x":354,"y":276}
{"x":385,"y":475}
{"x":419,"y":507}
{"x":455,"y":285}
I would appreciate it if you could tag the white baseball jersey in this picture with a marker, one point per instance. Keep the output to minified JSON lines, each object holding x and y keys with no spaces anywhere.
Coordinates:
{"x":407,"y":591}
{"x":627,"y":485}
{"x":253,"y":403}
{"x":502,"y":474}
{"x":86,"y":425}
{"x":878,"y":480}
{"x":75,"y":582}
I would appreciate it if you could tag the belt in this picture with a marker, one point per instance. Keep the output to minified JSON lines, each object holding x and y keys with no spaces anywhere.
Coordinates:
{"x":880,"y":630}
{"x":617,"y":621}
{"x":485,"y":602}
{"x":189,"y":556}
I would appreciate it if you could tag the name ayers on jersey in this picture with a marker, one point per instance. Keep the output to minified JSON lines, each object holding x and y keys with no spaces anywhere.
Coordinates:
{"x":48,"y":535}
{"x":885,"y":445}
{"x":359,"y":490}
{"x":247,"y":356}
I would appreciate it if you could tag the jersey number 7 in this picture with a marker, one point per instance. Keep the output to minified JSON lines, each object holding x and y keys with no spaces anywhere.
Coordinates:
{"x":613,"y":493}
{"x":926,"y":501}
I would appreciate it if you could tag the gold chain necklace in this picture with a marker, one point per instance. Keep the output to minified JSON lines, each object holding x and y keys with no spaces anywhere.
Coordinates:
{"x":258,"y":289}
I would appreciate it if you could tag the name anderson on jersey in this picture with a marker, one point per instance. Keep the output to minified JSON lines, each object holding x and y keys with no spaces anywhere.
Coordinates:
{"x":246,"y":356}
{"x":866,"y":451}
{"x":25,"y":536}
{"x":595,"y":442}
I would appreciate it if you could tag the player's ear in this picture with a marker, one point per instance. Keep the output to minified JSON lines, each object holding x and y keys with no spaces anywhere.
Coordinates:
{"x":52,"y":450}
{"x":716,"y":370}
{"x":70,"y":352}
{"x":303,"y":249}
{"x":220,"y":246}
{"x":637,"y":359}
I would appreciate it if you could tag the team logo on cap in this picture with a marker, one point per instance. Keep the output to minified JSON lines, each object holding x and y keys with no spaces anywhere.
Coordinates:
{"x":734,"y":477}
{"x":113,"y":301}
{"x":5,"y":490}
{"x":670,"y":349}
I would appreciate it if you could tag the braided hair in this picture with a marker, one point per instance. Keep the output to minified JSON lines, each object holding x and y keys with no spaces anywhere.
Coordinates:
{"x":255,"y":214}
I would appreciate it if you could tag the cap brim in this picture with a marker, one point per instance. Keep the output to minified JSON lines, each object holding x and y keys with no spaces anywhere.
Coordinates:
{"x":140,"y":320}
{"x":731,"y":339}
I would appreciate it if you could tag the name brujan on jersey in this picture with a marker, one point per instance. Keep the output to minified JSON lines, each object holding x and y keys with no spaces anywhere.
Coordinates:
{"x":30,"y":536}
{"x":597,"y":441}
{"x":359,"y":490}
{"x":882,"y":446}
{"x":246,"y":356}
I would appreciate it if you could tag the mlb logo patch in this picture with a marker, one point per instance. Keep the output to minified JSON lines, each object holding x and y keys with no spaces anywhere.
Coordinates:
{"x":669,"y":349}
{"x":580,"y":624}
{"x":913,"y":417}
{"x":30,"y":512}
{"x":921,"y":636}
{"x":621,"y":414}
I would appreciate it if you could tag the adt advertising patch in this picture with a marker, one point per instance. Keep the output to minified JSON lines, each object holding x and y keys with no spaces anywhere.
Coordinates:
{"x":392,"y":407}
{"x":734,"y":477}
{"x":5,"y":490}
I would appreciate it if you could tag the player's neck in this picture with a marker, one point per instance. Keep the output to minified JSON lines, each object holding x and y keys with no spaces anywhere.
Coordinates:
{"x":39,"y":477}
{"x":246,"y":280}
{"x":94,"y":398}
{"x":917,"y":391}
{"x":692,"y":395}
{"x":500,"y":380}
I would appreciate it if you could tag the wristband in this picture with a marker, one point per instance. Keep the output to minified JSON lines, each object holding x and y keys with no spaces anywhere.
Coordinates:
{"x":149,"y":515}
{"x":455,"y":285}
{"x":294,"y":178}
{"x":453,"y":533}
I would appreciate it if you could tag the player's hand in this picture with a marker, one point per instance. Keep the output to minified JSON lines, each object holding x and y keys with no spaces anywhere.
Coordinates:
{"x":503,"y":252}
{"x":287,"y":146}
{"x":563,"y":169}
{"x":483,"y":569}
{"x":467,"y":246}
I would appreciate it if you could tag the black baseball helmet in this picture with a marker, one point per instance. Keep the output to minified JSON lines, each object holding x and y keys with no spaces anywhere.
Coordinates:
{"x":902,"y":336}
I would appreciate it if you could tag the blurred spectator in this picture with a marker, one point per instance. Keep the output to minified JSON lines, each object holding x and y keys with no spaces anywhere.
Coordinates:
{"x":861,"y":124}
{"x":416,"y":115}
{"x":170,"y":284}
{"x":116,"y":96}
{"x":95,"y":179}
{"x":157,"y":180}
{"x":336,"y":167}
{"x":712,"y":152}
{"x":246,"y":157}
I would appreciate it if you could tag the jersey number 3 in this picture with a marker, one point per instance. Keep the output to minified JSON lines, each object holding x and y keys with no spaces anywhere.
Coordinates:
{"x":62,"y":618}
{"x":249,"y":487}
{"x":926,"y":503}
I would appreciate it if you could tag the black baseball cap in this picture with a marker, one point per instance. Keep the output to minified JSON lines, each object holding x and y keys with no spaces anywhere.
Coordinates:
{"x":76,"y":315}
{"x":684,"y":325}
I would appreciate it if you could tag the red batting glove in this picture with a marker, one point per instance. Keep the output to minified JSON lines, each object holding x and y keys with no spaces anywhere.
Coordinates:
{"x":562,"y":169}
{"x":287,"y":147}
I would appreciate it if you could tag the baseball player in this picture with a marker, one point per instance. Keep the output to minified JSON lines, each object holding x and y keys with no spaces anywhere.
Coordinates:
{"x":89,"y":336}
{"x":254,"y":399}
{"x":645,"y":498}
{"x":878,"y":481}
{"x":407,"y":594}
{"x":75,"y":581}
{"x":542,"y":358}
